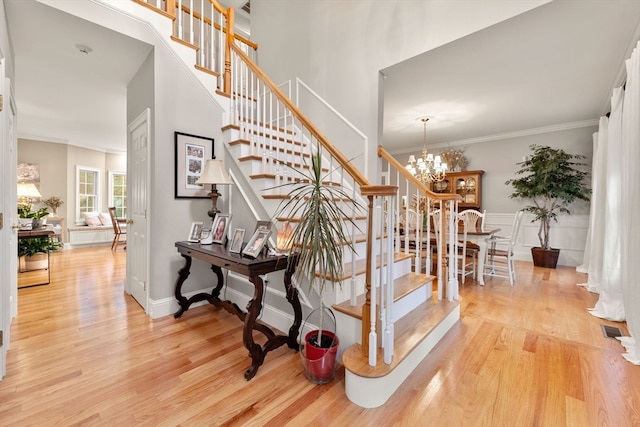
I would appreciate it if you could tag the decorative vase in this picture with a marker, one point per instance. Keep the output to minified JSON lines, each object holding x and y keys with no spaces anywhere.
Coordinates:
{"x":547,"y":258}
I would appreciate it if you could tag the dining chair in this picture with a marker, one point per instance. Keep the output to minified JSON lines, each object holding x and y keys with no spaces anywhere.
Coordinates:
{"x":118,"y":230}
{"x":473,"y":219}
{"x":499,"y":261}
{"x":467,"y":255}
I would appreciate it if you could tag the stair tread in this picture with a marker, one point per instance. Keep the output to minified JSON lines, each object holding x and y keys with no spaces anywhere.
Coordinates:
{"x":409,"y":332}
{"x":361,"y":265}
{"x":402,"y":286}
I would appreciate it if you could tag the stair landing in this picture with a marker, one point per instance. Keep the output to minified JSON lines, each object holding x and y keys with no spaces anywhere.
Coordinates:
{"x":415,"y":336}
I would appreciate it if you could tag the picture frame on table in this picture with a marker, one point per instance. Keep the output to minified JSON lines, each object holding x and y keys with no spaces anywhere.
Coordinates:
{"x":220,"y":227}
{"x":191,"y":154}
{"x":257,"y":242}
{"x":195,"y":231}
{"x":263,"y":225}
{"x":237,"y":240}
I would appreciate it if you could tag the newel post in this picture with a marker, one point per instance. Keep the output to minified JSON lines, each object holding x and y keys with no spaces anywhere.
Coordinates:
{"x":171,"y":8}
{"x":226,"y":75}
{"x":366,"y":308}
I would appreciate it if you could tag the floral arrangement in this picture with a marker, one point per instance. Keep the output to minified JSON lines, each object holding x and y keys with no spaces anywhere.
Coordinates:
{"x":455,"y":159}
{"x":54,"y":203}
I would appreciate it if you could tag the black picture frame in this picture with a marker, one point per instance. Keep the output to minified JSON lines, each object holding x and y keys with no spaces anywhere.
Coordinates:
{"x":191,"y":153}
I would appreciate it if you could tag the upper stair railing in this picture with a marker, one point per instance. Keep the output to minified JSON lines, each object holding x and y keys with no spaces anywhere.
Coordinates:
{"x":205,"y":26}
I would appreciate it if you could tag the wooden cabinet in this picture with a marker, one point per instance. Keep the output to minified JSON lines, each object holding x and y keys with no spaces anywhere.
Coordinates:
{"x":467,"y":184}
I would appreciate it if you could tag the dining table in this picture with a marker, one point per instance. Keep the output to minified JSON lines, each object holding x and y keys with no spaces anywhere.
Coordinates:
{"x":480,"y":237}
{"x":477,"y":237}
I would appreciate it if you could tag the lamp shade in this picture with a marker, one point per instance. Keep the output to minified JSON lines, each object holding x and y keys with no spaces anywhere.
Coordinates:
{"x":28,"y":190}
{"x":214,"y":173}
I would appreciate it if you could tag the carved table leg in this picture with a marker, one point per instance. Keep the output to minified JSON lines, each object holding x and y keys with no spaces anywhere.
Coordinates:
{"x":253,"y":310}
{"x":186,"y":303}
{"x":218,"y":272}
{"x":183,"y":273}
{"x":292,"y":297}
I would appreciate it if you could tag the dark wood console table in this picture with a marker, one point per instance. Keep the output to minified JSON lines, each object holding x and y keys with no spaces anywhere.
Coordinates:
{"x":219,"y":257}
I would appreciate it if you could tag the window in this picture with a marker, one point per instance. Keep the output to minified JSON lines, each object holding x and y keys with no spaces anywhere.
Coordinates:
{"x":118,"y":193}
{"x":87,"y":191}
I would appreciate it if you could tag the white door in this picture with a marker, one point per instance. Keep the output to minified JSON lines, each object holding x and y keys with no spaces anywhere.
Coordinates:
{"x":137,"y":210}
{"x":8,"y":235}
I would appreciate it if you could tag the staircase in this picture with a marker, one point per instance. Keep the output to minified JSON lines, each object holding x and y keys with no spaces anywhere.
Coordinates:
{"x":389,"y":315}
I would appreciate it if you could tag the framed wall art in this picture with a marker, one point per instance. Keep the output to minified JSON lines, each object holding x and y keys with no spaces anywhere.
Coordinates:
{"x":192,"y":152}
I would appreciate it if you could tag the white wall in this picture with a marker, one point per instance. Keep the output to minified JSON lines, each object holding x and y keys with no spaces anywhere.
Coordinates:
{"x":178,"y":102}
{"x":338,"y":47}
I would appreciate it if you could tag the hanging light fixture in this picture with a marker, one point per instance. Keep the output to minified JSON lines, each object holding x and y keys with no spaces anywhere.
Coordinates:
{"x":427,"y":168}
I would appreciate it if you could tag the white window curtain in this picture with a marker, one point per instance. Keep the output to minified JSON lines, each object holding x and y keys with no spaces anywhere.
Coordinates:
{"x":592,"y":264}
{"x":609,"y":305}
{"x":631,"y":206}
{"x":615,"y":207}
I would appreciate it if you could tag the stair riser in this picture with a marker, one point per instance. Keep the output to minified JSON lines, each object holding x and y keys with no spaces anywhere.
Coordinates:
{"x":343,"y":293}
{"x":410,"y":301}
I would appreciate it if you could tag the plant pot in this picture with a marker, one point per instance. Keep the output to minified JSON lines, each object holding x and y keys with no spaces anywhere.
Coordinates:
{"x":39,"y":223}
{"x":320,"y":362}
{"x":39,"y":261}
{"x":25,"y":223}
{"x":547,"y":258}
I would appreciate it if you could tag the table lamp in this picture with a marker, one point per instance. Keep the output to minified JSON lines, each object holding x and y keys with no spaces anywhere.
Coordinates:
{"x":27,"y":192}
{"x":214,"y":174}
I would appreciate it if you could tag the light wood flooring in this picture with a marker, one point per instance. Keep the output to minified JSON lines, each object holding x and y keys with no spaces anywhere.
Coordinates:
{"x":84,"y":353}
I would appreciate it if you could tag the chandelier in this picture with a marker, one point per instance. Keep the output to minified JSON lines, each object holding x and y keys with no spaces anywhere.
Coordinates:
{"x":427,"y":168}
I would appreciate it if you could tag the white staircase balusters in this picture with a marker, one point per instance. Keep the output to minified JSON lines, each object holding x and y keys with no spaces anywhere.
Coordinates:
{"x":373,"y":336}
{"x":388,"y":337}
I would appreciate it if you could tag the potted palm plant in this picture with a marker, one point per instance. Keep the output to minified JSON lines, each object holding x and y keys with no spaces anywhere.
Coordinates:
{"x":319,"y":241}
{"x":552,"y":180}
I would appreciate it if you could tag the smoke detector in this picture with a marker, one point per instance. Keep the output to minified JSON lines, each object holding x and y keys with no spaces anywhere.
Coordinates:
{"x":82,"y":48}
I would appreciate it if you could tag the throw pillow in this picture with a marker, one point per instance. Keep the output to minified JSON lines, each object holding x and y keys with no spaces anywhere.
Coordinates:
{"x":105,"y":218}
{"x":92,"y":219}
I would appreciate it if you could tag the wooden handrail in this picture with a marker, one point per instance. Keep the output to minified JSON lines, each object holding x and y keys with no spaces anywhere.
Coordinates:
{"x":335,"y":153}
{"x":383,"y":153}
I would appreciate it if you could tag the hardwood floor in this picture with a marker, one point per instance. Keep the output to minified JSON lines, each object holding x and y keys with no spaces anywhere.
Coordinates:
{"x":84,"y":353}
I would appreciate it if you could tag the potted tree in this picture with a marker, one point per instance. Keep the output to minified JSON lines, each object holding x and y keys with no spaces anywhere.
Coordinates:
{"x":319,"y":241}
{"x":551,"y":180}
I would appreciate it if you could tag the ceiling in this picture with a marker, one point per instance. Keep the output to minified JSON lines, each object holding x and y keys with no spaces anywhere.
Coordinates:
{"x":552,"y":67}
{"x":65,"y":95}
{"x":62,"y":94}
